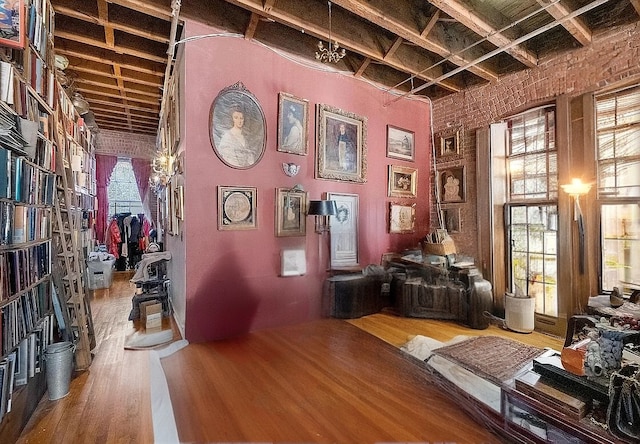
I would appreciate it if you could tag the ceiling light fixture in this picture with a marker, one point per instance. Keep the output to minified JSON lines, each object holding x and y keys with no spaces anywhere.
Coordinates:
{"x":333,"y":53}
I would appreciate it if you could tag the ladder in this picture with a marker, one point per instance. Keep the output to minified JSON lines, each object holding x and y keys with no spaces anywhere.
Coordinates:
{"x":68,"y":265}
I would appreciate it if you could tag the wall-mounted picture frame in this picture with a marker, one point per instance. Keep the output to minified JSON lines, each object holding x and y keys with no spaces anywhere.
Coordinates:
{"x":237,"y":208}
{"x":179,"y":201}
{"x":402,"y":181}
{"x":291,"y":215}
{"x":451,"y":219}
{"x":452,"y":185}
{"x":450,"y":144}
{"x":342,"y":145}
{"x":402,"y":218}
{"x":12,"y":23}
{"x":238,"y":129}
{"x":400,"y":143}
{"x":343,"y":229}
{"x":293,"y":124}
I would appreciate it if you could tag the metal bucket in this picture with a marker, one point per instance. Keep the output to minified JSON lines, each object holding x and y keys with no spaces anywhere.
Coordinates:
{"x":59,"y":366}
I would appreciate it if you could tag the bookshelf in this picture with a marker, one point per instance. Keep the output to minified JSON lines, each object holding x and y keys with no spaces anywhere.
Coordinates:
{"x":27,"y":191}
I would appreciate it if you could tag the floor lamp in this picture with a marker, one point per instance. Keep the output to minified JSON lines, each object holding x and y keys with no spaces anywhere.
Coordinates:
{"x":322,"y":209}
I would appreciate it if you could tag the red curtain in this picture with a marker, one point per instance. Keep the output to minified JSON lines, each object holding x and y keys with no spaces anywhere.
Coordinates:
{"x":142,"y":172}
{"x":104,"y":168}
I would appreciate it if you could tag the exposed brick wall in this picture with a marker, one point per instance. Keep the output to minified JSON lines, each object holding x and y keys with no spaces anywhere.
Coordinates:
{"x":118,"y":143}
{"x":613,"y":56}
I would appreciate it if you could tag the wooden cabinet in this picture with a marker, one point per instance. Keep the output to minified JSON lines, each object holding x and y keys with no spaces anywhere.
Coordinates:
{"x":351,"y":296}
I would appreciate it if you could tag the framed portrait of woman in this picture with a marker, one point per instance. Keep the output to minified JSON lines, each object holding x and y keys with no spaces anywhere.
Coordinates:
{"x":342,"y":145}
{"x":293,"y":119}
{"x":238,"y":129}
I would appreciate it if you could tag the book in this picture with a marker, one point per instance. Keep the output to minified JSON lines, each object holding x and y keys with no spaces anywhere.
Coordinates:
{"x":5,"y":173}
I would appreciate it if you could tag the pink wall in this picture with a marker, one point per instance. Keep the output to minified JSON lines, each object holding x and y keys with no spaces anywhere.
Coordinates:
{"x":232,"y":282}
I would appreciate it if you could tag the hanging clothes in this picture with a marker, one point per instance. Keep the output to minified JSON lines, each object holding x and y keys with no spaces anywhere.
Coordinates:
{"x":113,"y":239}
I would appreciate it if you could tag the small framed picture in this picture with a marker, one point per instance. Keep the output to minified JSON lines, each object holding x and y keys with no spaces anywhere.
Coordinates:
{"x":342,"y":145}
{"x":290,"y":212}
{"x":13,"y":26}
{"x":400,"y":143}
{"x":451,"y":219}
{"x":402,"y":218}
{"x":293,"y":120}
{"x":452,"y":184}
{"x":344,"y":230}
{"x":450,"y":144}
{"x":237,"y":208}
{"x":402,"y":181}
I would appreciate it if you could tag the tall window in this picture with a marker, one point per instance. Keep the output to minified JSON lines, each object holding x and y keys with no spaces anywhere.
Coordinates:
{"x":618,"y":163}
{"x":531,"y":210}
{"x":123,"y":193}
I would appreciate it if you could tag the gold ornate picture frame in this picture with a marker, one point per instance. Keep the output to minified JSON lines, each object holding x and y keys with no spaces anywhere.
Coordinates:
{"x":293,"y":124}
{"x":402,"y":218}
{"x":402,"y":181}
{"x":291,"y":215}
{"x":342,"y":145}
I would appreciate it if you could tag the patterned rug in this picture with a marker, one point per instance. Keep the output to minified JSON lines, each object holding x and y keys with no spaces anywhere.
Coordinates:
{"x":491,"y":357}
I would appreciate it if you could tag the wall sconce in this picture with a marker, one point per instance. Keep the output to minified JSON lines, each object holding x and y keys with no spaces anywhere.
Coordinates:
{"x":161,"y":166}
{"x":576,"y":189}
{"x":322,"y":209}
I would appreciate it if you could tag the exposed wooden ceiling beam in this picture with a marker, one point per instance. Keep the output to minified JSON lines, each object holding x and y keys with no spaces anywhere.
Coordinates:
{"x":388,"y":22}
{"x":576,"y":27}
{"x":636,"y":5}
{"x":100,"y":44}
{"x":252,"y":26}
{"x":137,"y":31}
{"x":119,"y":58}
{"x":469,"y":18}
{"x":150,"y":8}
{"x":299,"y":18}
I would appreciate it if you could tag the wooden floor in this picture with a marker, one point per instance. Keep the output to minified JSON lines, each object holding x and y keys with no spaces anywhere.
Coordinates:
{"x":268,"y":386}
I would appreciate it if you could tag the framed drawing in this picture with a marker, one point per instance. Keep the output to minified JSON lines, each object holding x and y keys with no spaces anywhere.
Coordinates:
{"x":237,"y":208}
{"x":400,"y":143}
{"x":12,"y":23}
{"x":342,"y":145}
{"x":451,"y":219}
{"x":402,"y":218}
{"x":402,"y":181}
{"x":344,"y":230}
{"x":293,"y":120}
{"x":238,"y":129}
{"x":450,"y":144}
{"x":290,"y":212}
{"x":179,"y":201}
{"x":452,"y":185}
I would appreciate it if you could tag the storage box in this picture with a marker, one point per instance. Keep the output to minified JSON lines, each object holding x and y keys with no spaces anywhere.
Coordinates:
{"x":100,"y":273}
{"x":151,"y":315}
{"x":447,"y":246}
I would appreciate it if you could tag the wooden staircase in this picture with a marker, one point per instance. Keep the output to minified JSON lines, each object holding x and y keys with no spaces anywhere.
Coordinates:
{"x":68,"y":268}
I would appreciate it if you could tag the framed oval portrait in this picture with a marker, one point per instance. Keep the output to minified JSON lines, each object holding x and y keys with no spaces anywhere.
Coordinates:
{"x":238,"y":129}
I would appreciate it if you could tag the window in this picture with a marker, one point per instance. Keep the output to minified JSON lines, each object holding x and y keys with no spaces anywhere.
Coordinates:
{"x":123,"y":193}
{"x":531,"y":209}
{"x":618,"y":166}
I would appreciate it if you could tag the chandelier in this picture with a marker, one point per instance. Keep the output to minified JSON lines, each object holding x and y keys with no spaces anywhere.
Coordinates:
{"x":333,"y":53}
{"x":161,"y":166}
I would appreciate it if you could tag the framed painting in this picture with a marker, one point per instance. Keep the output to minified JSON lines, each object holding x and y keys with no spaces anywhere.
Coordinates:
{"x":402,"y":218}
{"x":343,"y":229}
{"x":290,"y":212}
{"x":12,"y":23}
{"x":451,"y":219}
{"x":450,"y":144}
{"x":400,"y":143}
{"x":293,"y":123}
{"x":237,"y":208}
{"x":342,"y":145}
{"x":402,"y":181}
{"x":452,"y":185}
{"x":238,"y":129}
{"x":179,"y":202}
